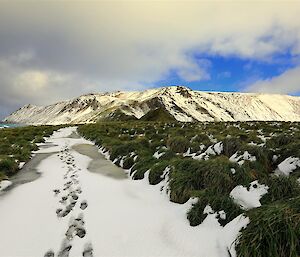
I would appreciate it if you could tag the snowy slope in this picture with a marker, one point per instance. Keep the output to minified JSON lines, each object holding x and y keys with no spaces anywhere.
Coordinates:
{"x":183,"y":103}
{"x":122,"y":217}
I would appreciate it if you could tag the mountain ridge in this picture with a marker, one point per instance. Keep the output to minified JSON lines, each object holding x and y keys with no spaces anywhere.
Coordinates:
{"x":182,"y":103}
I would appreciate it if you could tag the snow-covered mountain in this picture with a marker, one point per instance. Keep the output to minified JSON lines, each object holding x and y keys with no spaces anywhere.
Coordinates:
{"x":182,"y":103}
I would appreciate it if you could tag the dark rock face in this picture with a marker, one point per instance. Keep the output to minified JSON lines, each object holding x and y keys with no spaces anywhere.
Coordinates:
{"x":184,"y":91}
{"x":80,"y":105}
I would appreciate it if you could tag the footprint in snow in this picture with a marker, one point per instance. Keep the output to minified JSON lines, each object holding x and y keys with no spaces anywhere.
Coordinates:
{"x":88,"y":250}
{"x":76,"y":228}
{"x":56,"y":191}
{"x":83,"y":205}
{"x":63,"y":213}
{"x":50,"y":253}
{"x":67,"y":185}
{"x":78,"y":190}
{"x":63,"y":199}
{"x":65,"y":249}
{"x":74,"y":196}
{"x":58,"y":211}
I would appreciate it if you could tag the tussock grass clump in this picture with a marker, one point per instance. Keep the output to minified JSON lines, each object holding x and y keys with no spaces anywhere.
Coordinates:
{"x":178,"y":144}
{"x":122,"y":149}
{"x":243,"y":175}
{"x":2,"y":176}
{"x":279,"y":141}
{"x":8,"y":167}
{"x":156,"y":172}
{"x":231,"y":145}
{"x":190,"y":175}
{"x":200,"y":139}
{"x":23,"y":154}
{"x":39,"y":139}
{"x":186,"y":177}
{"x":217,"y":175}
{"x":168,"y":155}
{"x":128,"y":162}
{"x":273,"y":231}
{"x":280,"y":187}
{"x":144,"y":164}
{"x":292,"y":149}
{"x":218,"y":203}
{"x":262,"y":167}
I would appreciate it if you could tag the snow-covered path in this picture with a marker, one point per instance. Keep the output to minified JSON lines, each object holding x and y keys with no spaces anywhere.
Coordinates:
{"x":70,"y":211}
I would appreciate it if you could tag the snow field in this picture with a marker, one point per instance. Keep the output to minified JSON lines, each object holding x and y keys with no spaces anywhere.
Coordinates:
{"x":122,"y":217}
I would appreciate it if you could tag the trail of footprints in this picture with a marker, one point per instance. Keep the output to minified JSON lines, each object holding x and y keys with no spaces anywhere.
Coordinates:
{"x":69,"y":196}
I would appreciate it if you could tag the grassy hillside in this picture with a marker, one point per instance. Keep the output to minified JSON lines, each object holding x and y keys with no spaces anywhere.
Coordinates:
{"x":16,"y":145}
{"x":209,"y":160}
{"x":119,"y":115}
{"x":159,"y":114}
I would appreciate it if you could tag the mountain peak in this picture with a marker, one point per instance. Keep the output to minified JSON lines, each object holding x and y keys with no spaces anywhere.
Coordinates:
{"x":179,"y":101}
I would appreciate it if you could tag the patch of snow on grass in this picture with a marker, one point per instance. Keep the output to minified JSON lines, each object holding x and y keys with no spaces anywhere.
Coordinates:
{"x":21,"y":164}
{"x":208,"y":210}
{"x":233,"y":171}
{"x":104,"y":152}
{"x":218,"y":148}
{"x":287,"y":166}
{"x":240,"y":159}
{"x":187,"y":153}
{"x":222,"y":215}
{"x":122,"y":162}
{"x":263,"y":138}
{"x":4,"y":184}
{"x":249,"y":199}
{"x":274,"y":158}
{"x":210,"y":151}
{"x":215,"y":149}
{"x":157,"y":154}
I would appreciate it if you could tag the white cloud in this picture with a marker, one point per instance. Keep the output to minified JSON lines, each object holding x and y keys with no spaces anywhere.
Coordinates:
{"x":20,"y":85}
{"x":288,"y":83}
{"x":32,"y":80}
{"x":77,"y":46}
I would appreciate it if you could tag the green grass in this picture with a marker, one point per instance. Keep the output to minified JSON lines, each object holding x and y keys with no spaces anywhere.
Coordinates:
{"x":16,"y":145}
{"x":156,"y":172}
{"x":280,"y":187}
{"x":218,"y":202}
{"x":8,"y":166}
{"x":273,"y":231}
{"x":178,"y":144}
{"x":273,"y":227}
{"x":190,"y":175}
{"x":159,"y":114}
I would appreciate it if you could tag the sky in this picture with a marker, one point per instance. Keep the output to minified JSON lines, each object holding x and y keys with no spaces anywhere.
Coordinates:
{"x":56,"y":50}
